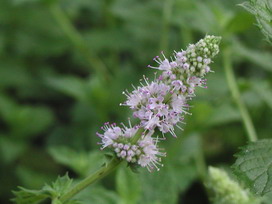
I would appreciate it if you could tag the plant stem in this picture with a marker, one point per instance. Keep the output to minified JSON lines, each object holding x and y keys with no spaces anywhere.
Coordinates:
{"x":99,"y":174}
{"x":200,"y":162}
{"x":137,"y":136}
{"x":251,"y":133}
{"x":102,"y":172}
{"x":78,"y":41}
{"x":166,"y":16}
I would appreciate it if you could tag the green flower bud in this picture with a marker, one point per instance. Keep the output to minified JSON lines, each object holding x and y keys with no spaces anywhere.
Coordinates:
{"x":226,"y":191}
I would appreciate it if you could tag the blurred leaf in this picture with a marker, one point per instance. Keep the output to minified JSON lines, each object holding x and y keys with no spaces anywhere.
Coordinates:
{"x":13,"y":74}
{"x":98,"y":195}
{"x":260,"y":58}
{"x":264,"y":91}
{"x":183,"y":160}
{"x":79,"y":161}
{"x":262,"y":10}
{"x":18,"y":2}
{"x":223,"y":115}
{"x":31,"y":177}
{"x":10,"y":149}
{"x":128,"y":186}
{"x":25,"y":120}
{"x":253,"y":165}
{"x":158,"y":187}
{"x":267,"y":198}
{"x":200,"y":111}
{"x":69,"y":85}
{"x":239,"y":23}
{"x":211,"y":16}
{"x":175,"y":176}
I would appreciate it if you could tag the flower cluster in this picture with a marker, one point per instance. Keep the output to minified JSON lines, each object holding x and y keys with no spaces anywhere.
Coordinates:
{"x":162,"y":103}
{"x":144,"y":152}
{"x":151,"y":106}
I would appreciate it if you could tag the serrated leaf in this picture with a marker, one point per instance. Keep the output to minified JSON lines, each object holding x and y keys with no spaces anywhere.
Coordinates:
{"x":254,"y":166}
{"x":26,"y":196}
{"x":60,"y":186}
{"x":53,"y":191}
{"x":262,"y":10}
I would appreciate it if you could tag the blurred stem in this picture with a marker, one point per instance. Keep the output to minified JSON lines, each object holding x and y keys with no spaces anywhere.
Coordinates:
{"x":102,"y":172}
{"x":251,"y":133}
{"x":137,"y":135}
{"x":99,"y":174}
{"x":78,"y":41}
{"x":167,"y":10}
{"x":186,"y":35}
{"x":200,"y":162}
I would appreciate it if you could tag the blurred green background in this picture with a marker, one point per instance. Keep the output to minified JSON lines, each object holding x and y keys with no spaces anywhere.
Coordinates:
{"x":64,"y":65}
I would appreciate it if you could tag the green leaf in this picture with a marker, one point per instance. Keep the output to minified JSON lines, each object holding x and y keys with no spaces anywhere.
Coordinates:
{"x":262,"y":10}
{"x":263,"y":89}
{"x":69,"y":85}
{"x":53,"y":191}
{"x":254,"y":166}
{"x":262,"y":59}
{"x":26,"y":196}
{"x":128,"y":186}
{"x":81,"y":162}
{"x":223,"y":114}
{"x":98,"y":195}
{"x":239,"y":23}
{"x":60,"y":186}
{"x":19,"y":2}
{"x":24,"y":120}
{"x":10,"y":149}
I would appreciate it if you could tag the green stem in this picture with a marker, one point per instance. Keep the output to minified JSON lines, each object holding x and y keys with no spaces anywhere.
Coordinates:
{"x":200,"y":162}
{"x":102,"y":172}
{"x":167,"y":10}
{"x":78,"y":41}
{"x":137,"y":136}
{"x":99,"y":174}
{"x":251,"y":133}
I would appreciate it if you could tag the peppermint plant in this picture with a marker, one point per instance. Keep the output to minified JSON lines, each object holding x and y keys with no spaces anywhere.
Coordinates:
{"x":158,"y":105}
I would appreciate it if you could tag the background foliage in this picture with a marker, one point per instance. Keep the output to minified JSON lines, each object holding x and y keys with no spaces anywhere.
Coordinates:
{"x":59,"y":85}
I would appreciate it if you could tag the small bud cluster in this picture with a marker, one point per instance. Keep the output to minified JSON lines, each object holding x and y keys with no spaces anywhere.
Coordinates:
{"x":226,"y":191}
{"x":162,"y":103}
{"x":144,"y":152}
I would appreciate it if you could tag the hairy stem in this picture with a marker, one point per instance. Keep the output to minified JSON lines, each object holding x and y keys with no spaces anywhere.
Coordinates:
{"x":78,"y":41}
{"x":251,"y":133}
{"x":99,"y":174}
